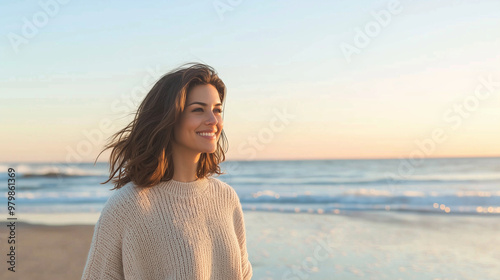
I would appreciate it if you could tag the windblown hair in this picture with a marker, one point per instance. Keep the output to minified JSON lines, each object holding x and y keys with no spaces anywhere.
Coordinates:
{"x":142,"y":151}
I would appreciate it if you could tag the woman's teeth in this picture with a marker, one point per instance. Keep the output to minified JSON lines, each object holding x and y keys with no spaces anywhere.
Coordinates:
{"x":205,"y":134}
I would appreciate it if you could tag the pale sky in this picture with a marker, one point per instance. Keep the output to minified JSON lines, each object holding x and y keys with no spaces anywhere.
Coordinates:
{"x":305,"y":79}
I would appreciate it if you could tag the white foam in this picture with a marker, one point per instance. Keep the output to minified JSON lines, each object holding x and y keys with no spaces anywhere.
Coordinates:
{"x":59,"y":218}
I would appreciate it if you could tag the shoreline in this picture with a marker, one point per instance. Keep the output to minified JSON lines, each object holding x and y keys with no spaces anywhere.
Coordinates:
{"x":68,"y":219}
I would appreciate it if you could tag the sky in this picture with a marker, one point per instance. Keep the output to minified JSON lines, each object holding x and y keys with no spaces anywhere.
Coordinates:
{"x":305,"y":79}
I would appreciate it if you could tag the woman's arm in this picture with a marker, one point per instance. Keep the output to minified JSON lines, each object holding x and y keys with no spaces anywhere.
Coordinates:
{"x":239,"y":223}
{"x":104,"y":260}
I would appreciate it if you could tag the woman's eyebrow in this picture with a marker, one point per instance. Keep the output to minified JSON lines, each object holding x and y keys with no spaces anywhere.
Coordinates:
{"x":203,"y":104}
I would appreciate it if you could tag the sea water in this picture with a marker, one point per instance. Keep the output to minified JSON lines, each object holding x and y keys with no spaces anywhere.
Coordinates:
{"x":444,"y":186}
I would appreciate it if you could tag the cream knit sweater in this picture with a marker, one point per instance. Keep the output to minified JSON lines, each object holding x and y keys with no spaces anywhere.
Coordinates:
{"x":174,"y":230}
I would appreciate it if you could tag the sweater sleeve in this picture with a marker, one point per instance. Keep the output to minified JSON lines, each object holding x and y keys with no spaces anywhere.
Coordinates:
{"x":104,"y":259}
{"x":239,"y":224}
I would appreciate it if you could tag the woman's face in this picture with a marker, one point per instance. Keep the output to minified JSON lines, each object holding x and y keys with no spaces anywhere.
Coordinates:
{"x":203,"y":112}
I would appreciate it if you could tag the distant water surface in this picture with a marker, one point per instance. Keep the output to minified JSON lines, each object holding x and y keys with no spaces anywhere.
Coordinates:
{"x":448,"y":186}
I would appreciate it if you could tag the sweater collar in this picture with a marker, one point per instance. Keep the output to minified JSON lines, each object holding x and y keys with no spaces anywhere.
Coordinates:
{"x":193,"y":188}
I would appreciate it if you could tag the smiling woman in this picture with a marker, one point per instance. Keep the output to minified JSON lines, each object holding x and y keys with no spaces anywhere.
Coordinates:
{"x":163,"y":133}
{"x":201,"y":120}
{"x":168,"y":219}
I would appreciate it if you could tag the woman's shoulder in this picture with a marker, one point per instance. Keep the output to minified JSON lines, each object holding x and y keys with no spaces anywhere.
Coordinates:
{"x":120,"y":198}
{"x":116,"y":210}
{"x":225,"y":189}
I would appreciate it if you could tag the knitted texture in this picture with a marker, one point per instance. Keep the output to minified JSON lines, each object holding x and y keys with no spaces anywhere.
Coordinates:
{"x":174,"y":230}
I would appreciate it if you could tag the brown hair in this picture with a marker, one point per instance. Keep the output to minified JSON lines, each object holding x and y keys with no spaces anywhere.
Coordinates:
{"x":142,"y":151}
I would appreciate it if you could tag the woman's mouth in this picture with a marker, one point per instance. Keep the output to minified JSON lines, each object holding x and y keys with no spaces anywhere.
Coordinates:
{"x":206,"y":135}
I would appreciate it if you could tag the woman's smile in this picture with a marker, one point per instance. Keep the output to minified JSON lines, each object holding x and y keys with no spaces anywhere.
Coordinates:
{"x":209,"y":136}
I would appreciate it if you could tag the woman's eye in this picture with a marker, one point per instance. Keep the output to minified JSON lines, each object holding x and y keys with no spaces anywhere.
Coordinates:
{"x":195,"y":110}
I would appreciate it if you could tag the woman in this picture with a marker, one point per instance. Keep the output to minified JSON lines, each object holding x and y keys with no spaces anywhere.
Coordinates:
{"x":168,"y":219}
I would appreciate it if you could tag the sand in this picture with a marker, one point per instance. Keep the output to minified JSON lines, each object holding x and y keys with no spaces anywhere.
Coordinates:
{"x":47,"y":252}
{"x":305,"y":246}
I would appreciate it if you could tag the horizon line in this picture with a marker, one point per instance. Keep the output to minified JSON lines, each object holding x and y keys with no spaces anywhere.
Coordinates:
{"x":259,"y":160}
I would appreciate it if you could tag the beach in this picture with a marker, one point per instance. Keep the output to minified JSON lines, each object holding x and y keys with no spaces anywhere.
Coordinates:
{"x":374,"y":246}
{"x":359,"y":245}
{"x":333,"y":219}
{"x":47,"y":251}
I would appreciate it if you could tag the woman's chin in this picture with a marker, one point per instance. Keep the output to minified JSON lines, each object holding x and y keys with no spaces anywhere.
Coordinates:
{"x":208,"y":150}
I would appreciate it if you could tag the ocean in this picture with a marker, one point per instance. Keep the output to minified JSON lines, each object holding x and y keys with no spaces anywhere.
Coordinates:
{"x":443,"y":186}
{"x":318,"y":219}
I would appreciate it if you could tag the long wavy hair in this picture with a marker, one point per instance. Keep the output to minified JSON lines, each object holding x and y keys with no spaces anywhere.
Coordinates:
{"x":142,"y":151}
